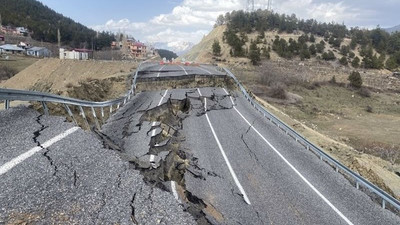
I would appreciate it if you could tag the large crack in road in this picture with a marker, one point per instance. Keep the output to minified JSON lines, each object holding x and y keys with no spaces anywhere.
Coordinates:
{"x":163,"y":159}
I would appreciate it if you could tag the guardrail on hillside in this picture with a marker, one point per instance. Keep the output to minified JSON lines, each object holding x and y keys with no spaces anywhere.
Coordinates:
{"x":386,"y":198}
{"x":8,"y":95}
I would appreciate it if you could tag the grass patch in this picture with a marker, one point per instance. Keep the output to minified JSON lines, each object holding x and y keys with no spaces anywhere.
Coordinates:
{"x":16,"y":63}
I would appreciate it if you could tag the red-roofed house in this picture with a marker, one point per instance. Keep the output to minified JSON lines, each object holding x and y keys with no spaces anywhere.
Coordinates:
{"x":138,"y":50}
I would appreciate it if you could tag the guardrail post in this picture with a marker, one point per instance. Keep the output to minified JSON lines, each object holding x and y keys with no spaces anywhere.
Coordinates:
{"x":383,"y":203}
{"x":7,"y":104}
{"x":45,"y":108}
{"x":95,"y":118}
{"x":102,"y":114}
{"x":111,"y":110}
{"x":357,"y":185}
{"x":118,"y":105}
{"x":84,"y":116}
{"x":70,"y":113}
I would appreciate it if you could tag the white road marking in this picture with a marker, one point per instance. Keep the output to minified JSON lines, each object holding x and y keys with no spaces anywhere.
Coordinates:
{"x":174,"y":192}
{"x":152,"y":157}
{"x":165,"y":94}
{"x":183,"y":70}
{"x":153,"y":132}
{"x":19,"y":159}
{"x":246,"y":199}
{"x":205,"y":70}
{"x":158,"y":75}
{"x":292,"y":167}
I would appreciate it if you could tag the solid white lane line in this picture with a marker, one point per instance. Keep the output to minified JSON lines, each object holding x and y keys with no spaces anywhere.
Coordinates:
{"x":184,"y":70}
{"x":158,"y":75}
{"x":246,"y":199}
{"x":205,"y":70}
{"x":294,"y":169}
{"x":19,"y":159}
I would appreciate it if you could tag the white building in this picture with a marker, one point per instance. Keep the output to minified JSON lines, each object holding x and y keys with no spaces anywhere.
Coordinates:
{"x":77,"y":54}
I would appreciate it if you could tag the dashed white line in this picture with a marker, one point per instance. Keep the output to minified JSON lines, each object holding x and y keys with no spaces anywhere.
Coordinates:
{"x":19,"y":159}
{"x":246,"y":199}
{"x":292,"y":167}
{"x":158,"y":75}
{"x":183,"y":70}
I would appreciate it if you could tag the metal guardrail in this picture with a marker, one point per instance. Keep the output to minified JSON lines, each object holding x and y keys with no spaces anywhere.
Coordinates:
{"x":359,"y":180}
{"x":8,"y":95}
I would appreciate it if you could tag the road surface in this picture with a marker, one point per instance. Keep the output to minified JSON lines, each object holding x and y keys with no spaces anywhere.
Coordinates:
{"x":183,"y":156}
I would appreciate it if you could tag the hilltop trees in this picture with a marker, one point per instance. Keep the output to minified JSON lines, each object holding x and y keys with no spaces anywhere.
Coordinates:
{"x":44,"y":22}
{"x":376,"y":44}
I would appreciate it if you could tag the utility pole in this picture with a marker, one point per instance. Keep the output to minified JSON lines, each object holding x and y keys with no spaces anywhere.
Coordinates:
{"x":250,"y":5}
{"x":269,"y":7}
{"x":1,"y":22}
{"x":59,"y":38}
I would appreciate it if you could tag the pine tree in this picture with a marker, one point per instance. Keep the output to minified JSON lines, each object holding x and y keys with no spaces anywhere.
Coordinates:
{"x":254,"y":53}
{"x":356,"y":62}
{"x":355,"y":79}
{"x":216,"y":47}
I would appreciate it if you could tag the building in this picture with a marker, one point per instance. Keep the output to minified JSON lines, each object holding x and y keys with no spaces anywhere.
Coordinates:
{"x":22,"y":31}
{"x":11,"y":49}
{"x":39,"y":52}
{"x":138,"y":50}
{"x":77,"y":54}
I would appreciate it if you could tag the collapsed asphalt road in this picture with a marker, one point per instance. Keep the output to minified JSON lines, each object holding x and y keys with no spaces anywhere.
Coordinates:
{"x":182,"y":156}
{"x":74,"y":180}
{"x":226,"y":164}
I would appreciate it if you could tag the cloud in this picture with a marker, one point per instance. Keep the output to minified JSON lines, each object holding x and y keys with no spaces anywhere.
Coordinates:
{"x":190,"y":20}
{"x":170,"y":36}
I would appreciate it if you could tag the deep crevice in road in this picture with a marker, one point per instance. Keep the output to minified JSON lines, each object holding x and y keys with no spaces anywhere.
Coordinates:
{"x":166,"y":159}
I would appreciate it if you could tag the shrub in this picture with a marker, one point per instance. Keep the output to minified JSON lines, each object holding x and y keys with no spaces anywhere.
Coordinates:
{"x":355,"y":79}
{"x":356,"y":62}
{"x":364,"y":92}
{"x":333,"y":80}
{"x":343,"y":61}
{"x":278,"y":91}
{"x":369,"y":109}
{"x":7,"y":72}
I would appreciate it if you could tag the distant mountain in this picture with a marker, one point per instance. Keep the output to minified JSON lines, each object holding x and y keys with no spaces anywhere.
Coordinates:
{"x":393,"y":29}
{"x":43,"y":23}
{"x":179,"y":47}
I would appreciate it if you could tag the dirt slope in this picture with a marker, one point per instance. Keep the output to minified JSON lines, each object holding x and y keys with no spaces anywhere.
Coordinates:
{"x":56,"y":76}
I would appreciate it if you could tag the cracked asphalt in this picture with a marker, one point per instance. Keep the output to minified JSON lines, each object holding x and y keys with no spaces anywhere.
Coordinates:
{"x":74,"y":181}
{"x":183,"y":156}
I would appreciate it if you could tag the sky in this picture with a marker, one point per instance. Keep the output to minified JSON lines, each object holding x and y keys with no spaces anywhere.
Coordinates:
{"x":175,"y":21}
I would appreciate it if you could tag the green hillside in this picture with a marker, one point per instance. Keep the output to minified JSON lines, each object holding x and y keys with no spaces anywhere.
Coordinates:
{"x":43,"y":23}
